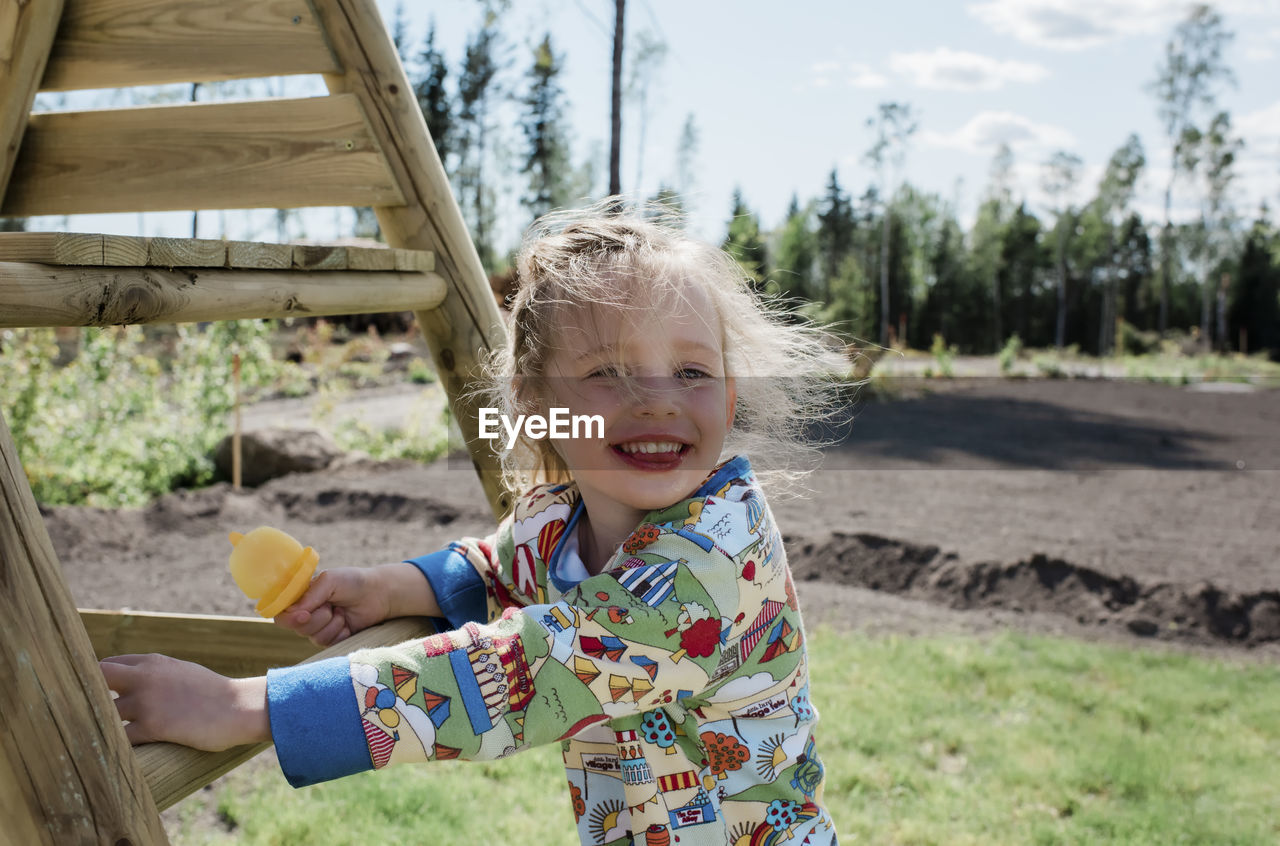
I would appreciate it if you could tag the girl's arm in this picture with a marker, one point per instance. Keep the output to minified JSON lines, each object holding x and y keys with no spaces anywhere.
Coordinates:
{"x":182,"y":702}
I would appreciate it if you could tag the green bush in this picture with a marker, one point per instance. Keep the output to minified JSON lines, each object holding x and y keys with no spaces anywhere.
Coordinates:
{"x":1135,"y":342}
{"x":1009,"y":353}
{"x":131,"y":416}
{"x":943,"y":355}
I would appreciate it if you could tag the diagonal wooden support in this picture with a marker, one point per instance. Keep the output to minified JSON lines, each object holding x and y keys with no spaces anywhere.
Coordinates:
{"x":67,"y":774}
{"x":467,"y":324}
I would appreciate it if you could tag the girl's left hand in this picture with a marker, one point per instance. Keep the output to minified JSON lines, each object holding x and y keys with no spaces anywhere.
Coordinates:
{"x":181,"y":702}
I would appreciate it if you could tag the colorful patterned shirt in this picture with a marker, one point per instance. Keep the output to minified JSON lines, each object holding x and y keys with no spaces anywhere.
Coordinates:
{"x":675,"y":681}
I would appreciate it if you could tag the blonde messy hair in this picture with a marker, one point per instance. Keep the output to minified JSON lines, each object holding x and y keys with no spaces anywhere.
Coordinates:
{"x":640,"y":259}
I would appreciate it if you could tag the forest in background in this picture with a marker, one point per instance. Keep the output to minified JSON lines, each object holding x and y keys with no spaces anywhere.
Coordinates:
{"x":883,"y":263}
{"x":891,"y":264}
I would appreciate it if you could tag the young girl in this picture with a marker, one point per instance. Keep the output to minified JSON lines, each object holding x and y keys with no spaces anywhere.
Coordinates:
{"x":636,"y":607}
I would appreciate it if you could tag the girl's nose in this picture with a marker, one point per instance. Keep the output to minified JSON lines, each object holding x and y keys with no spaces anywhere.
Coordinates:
{"x":657,"y":396}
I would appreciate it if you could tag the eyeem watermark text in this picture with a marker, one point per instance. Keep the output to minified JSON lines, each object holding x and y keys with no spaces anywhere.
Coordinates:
{"x":560,"y":424}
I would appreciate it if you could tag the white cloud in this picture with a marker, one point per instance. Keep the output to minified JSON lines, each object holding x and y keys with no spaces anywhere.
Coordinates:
{"x":956,"y":70}
{"x":855,"y":74}
{"x":1081,"y":24}
{"x":864,"y":76}
{"x":985,"y":131}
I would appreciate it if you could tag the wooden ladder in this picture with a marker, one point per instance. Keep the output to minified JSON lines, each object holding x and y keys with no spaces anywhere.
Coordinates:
{"x":67,"y":773}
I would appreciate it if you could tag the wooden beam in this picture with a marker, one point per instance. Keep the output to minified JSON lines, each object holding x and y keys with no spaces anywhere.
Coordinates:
{"x":315,"y":151}
{"x":77,"y":248}
{"x":251,"y":254}
{"x":52,"y":295}
{"x":186,"y":252}
{"x":315,"y":257}
{"x":26,"y":35}
{"x":66,"y":772}
{"x":174,"y":772}
{"x":119,"y":43}
{"x":233,"y":646}
{"x":467,"y":325}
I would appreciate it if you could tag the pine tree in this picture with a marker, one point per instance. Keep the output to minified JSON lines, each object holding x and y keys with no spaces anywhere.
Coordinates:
{"x":836,"y":229}
{"x":433,"y":98}
{"x":797,"y":254}
{"x":477,"y":90}
{"x":400,"y":33}
{"x":1254,"y":313}
{"x":546,"y":148}
{"x":744,"y":242}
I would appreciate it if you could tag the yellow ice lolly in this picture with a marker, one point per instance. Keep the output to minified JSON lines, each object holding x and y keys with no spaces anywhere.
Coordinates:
{"x":271,"y":567}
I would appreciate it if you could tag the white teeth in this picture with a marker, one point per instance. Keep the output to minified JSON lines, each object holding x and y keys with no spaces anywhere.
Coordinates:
{"x":650,"y":446}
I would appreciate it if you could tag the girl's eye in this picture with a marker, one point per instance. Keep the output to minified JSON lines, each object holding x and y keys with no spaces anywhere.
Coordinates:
{"x":691,"y":373}
{"x":606,"y":372}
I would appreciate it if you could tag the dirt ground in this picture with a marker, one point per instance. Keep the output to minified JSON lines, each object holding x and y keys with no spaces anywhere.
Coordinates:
{"x":1113,"y":511}
{"x":1100,"y":509}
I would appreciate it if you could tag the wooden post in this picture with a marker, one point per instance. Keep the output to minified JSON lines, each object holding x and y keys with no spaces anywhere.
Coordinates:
{"x":26,"y":35}
{"x":67,"y":774}
{"x":467,"y":324}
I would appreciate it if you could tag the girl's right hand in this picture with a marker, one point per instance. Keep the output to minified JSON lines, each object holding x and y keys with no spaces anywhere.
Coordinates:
{"x":344,"y":600}
{"x":339,"y":603}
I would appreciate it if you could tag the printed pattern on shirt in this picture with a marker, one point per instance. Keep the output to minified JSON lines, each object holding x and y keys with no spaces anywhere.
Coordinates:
{"x":676,"y":680}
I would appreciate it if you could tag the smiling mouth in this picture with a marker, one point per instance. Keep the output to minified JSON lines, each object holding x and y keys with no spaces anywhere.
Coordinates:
{"x":651,"y":455}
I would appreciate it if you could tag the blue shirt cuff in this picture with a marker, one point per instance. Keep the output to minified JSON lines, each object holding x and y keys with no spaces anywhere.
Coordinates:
{"x":459,"y":589}
{"x":315,"y":722}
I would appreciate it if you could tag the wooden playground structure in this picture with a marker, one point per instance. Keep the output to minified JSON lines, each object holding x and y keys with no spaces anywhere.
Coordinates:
{"x":67,"y":772}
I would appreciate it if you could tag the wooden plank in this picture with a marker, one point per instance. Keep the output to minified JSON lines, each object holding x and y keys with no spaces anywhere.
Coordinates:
{"x":26,"y":34}
{"x":79,"y":248}
{"x":315,"y":151}
{"x":418,"y":261}
{"x":174,"y":772}
{"x":372,"y":258}
{"x":467,"y":325}
{"x":124,"y":250}
{"x":66,"y":771}
{"x":318,"y":257}
{"x":186,"y":252}
{"x":251,"y":254}
{"x":52,"y":247}
{"x":233,"y":646}
{"x":119,"y":43}
{"x":52,"y":295}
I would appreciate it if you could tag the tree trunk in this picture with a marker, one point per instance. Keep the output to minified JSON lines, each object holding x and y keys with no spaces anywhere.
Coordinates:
{"x":1206,"y":308}
{"x":1222,"y":312}
{"x":615,"y":131}
{"x":1166,"y":259}
{"x":1060,"y":325}
{"x":1107,"y":320}
{"x":996,"y":306}
{"x":884,"y":279}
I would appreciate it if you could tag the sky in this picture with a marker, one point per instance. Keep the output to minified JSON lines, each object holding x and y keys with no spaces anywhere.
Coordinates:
{"x":781,"y":94}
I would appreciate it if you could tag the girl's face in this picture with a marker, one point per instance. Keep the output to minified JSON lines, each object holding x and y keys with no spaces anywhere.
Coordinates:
{"x":657,"y":378}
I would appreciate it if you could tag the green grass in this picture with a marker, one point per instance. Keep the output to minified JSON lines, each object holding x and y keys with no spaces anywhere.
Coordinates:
{"x":947,"y":740}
